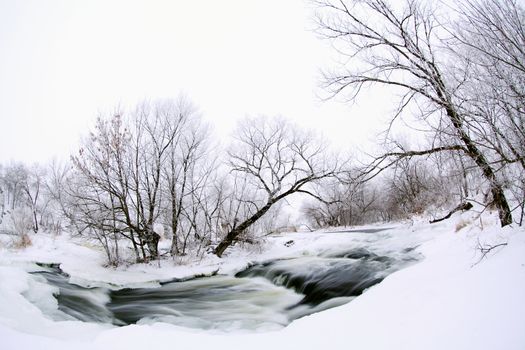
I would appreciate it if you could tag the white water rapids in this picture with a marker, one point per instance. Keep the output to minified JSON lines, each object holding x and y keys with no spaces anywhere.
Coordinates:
{"x":264,"y":296}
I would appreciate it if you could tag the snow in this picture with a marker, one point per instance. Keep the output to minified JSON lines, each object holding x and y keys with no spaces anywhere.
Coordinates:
{"x":451,"y":299}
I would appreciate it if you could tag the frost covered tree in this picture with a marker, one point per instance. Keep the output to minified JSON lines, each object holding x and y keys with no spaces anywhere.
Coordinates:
{"x":13,"y":179}
{"x":138,"y":172}
{"x":33,"y":186}
{"x":274,"y":159}
{"x":492,"y":38}
{"x":22,"y":187}
{"x":186,"y":174}
{"x":413,"y":49}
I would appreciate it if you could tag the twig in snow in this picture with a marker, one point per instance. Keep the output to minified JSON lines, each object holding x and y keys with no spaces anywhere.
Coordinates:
{"x":485,"y":249}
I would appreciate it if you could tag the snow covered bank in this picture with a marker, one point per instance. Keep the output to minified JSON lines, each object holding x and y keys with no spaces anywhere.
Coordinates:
{"x":447,"y":301}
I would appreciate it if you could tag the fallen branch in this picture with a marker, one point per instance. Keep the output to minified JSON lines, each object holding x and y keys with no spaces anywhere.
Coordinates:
{"x":8,"y":232}
{"x":463,"y":207}
{"x":245,"y":240}
{"x":485,"y":249}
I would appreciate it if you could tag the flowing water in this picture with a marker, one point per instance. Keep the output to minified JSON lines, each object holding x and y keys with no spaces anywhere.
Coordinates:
{"x":264,"y":296}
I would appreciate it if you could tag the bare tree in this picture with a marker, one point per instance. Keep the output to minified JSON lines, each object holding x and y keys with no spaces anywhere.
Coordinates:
{"x":346,"y":203}
{"x":492,"y":37}
{"x":335,"y":210}
{"x":136,"y":170}
{"x":403,"y":49}
{"x":32,"y":187}
{"x":186,"y":174}
{"x":21,"y":187}
{"x":56,"y":191}
{"x":403,"y":190}
{"x":13,"y":178}
{"x":99,"y":191}
{"x":154,"y":136}
{"x":277,"y":160}
{"x":21,"y":223}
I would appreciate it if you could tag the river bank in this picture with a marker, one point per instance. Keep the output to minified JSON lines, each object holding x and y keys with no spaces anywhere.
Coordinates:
{"x":453,"y":298}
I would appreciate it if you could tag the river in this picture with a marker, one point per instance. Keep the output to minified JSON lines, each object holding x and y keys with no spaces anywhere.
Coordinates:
{"x":264,"y":296}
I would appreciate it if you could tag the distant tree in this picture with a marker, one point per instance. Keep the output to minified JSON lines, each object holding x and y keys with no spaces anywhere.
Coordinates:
{"x":345,"y":203}
{"x":21,"y":225}
{"x":22,"y":199}
{"x":13,"y":179}
{"x":56,"y":190}
{"x":32,"y":186}
{"x":335,"y":210}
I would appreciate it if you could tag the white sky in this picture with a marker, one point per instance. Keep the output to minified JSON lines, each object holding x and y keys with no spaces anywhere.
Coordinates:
{"x":61,"y":62}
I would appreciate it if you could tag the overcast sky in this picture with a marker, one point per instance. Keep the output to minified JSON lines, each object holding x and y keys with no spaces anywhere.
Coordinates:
{"x":61,"y":62}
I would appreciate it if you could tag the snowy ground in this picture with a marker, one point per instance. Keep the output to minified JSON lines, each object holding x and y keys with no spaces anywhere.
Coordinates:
{"x":449,"y":300}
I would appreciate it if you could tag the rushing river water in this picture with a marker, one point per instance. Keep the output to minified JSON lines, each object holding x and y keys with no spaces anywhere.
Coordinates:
{"x":264,"y":296}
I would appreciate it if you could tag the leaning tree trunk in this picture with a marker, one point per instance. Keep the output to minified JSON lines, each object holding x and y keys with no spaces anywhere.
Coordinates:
{"x":238,"y":230}
{"x":498,"y":196}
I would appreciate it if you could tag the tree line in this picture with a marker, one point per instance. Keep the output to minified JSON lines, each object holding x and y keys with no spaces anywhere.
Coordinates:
{"x":155,"y":170}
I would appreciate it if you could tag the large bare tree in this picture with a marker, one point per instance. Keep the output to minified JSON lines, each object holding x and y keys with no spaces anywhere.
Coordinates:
{"x":186,"y":173}
{"x":492,"y":35}
{"x":405,"y":47}
{"x":33,"y":185}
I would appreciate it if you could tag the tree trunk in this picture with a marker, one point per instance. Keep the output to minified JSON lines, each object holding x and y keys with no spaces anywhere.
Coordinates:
{"x":238,"y":230}
{"x":115,"y":239}
{"x":522,"y":206}
{"x":462,"y":207}
{"x":135,"y":246}
{"x":498,"y":196}
{"x":174,"y":227}
{"x":152,"y":240}
{"x":35,"y":221}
